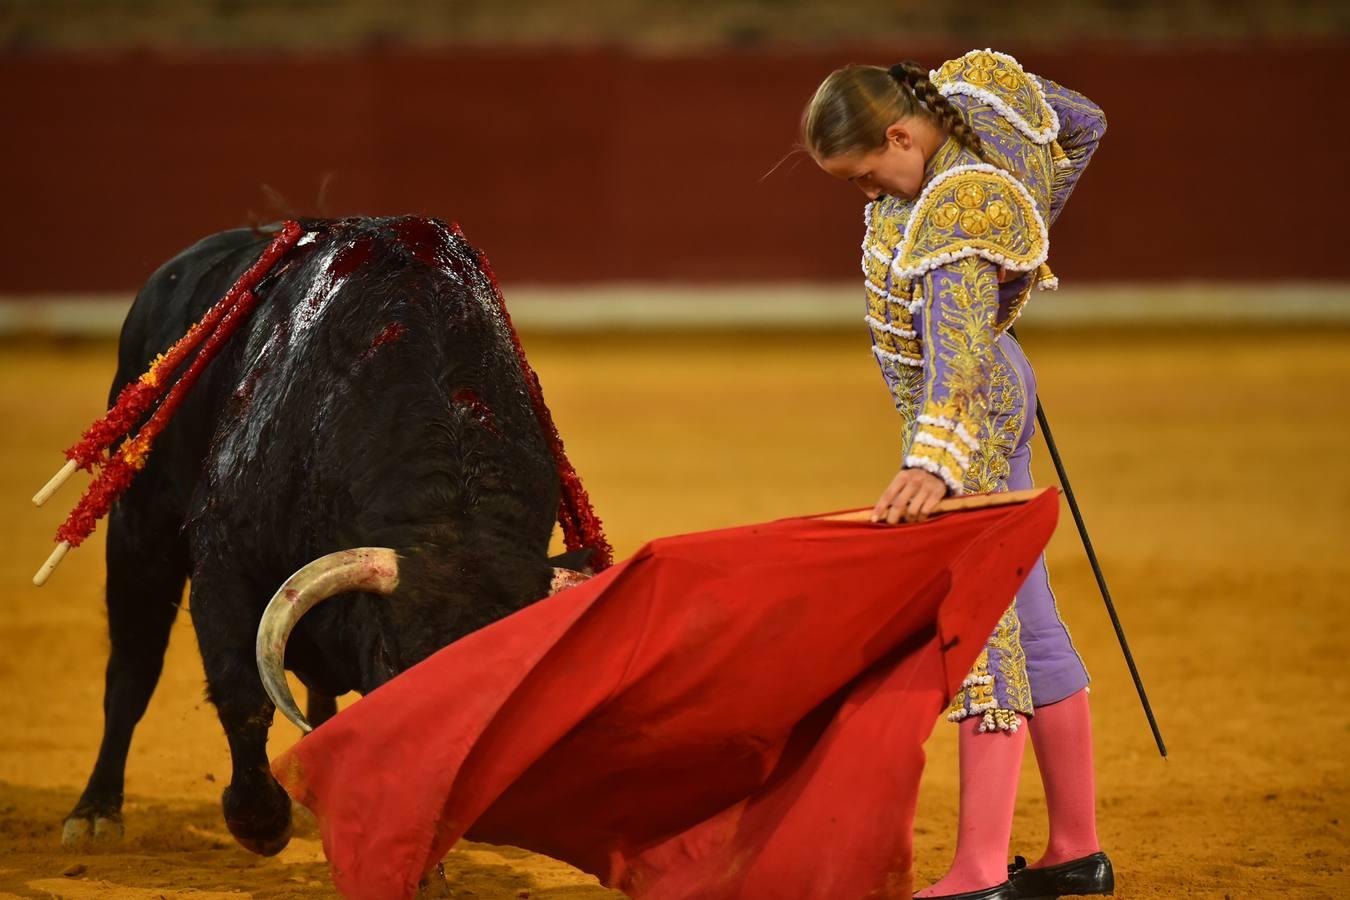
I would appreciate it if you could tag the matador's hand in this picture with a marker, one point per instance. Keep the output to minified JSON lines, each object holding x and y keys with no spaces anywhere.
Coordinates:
{"x":912,"y":495}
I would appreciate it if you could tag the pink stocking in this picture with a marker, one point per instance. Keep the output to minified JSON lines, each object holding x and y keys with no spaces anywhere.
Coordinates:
{"x":1062,"y":735}
{"x":990,"y":764}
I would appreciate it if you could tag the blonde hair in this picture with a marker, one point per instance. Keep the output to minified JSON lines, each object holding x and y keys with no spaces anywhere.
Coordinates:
{"x":854,"y":106}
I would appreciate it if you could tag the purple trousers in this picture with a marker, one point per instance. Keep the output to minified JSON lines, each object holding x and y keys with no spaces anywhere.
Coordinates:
{"x":1030,"y":660}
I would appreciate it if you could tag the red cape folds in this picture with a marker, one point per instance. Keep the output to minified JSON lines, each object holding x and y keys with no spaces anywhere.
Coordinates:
{"x":730,"y":714}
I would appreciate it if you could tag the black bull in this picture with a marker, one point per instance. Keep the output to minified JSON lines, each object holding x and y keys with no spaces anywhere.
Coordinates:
{"x":374,"y":398}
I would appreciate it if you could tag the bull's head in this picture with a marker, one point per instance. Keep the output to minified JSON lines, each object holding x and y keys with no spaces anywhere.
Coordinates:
{"x":368,"y":569}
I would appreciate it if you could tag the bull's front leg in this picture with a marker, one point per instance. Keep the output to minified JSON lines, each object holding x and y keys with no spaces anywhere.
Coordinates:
{"x":257,"y":809}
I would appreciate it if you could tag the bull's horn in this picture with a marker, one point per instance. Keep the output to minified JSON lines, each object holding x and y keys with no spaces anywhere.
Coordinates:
{"x":360,"y":569}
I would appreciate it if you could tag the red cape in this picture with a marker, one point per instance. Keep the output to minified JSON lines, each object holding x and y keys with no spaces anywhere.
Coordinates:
{"x":730,"y":714}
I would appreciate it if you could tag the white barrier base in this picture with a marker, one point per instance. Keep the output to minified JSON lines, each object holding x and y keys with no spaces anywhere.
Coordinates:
{"x":793,"y":305}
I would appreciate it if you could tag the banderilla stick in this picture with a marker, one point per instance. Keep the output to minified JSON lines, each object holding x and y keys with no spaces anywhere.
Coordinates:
{"x":1097,"y":570}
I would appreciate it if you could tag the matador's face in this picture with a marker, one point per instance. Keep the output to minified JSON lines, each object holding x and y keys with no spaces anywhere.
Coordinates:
{"x":896,"y":168}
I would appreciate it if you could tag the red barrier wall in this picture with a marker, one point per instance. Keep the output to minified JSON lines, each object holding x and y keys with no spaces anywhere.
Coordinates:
{"x":597,"y":165}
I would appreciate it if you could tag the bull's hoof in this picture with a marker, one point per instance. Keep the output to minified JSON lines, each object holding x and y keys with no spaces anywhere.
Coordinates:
{"x":259,"y":817}
{"x":263,"y":846}
{"x":87,"y":824}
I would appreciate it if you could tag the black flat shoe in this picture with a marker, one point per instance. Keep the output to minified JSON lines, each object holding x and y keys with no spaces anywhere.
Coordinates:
{"x":1077,"y":877}
{"x":1002,"y":891}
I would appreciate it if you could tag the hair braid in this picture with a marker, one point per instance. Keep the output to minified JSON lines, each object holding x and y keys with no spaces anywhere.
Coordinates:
{"x":914,"y":77}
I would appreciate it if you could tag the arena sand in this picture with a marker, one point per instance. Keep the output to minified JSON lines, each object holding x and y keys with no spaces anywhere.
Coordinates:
{"x":1212,"y":468}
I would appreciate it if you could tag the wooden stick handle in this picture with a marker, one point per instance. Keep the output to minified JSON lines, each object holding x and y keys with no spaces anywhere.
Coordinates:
{"x":52,"y":486}
{"x":52,"y":562}
{"x":953,"y":504}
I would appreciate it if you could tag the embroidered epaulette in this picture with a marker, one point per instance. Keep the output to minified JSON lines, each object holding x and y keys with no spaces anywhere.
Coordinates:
{"x":973,"y":210}
{"x":999,"y":80}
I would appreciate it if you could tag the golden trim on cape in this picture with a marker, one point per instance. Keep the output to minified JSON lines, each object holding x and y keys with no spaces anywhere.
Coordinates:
{"x":999,"y":80}
{"x":973,"y":210}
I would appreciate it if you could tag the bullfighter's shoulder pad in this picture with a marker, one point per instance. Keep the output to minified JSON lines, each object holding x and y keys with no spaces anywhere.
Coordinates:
{"x":999,"y":80}
{"x":973,"y":210}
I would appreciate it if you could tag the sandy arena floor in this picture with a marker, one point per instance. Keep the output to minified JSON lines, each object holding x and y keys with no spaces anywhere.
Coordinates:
{"x":1226,"y":555}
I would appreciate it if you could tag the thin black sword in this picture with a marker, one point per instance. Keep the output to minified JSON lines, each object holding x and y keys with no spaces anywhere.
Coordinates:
{"x":1097,"y":569}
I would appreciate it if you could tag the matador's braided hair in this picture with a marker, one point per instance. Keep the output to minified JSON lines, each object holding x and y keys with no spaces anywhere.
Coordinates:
{"x":854,"y":106}
{"x":913,"y":77}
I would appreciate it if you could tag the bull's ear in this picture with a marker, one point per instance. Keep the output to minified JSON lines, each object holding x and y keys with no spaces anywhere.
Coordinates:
{"x":577,"y":560}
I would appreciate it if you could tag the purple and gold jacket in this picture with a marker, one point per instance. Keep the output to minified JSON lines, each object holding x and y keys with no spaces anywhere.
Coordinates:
{"x":935,"y":306}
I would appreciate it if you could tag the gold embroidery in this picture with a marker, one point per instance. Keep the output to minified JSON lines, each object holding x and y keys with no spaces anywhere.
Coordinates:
{"x":877,"y":269}
{"x":977,"y":691}
{"x":1004,"y":78}
{"x":978,"y":697}
{"x":959,"y":320}
{"x":883,"y":236}
{"x":989,"y":470}
{"x":1012,"y":661}
{"x":893,"y":311}
{"x":964,"y":331}
{"x":952,"y":153}
{"x":893,"y":343}
{"x":941,"y":458}
{"x":886,"y":300}
{"x":889,"y":219}
{"x":1004,"y":417}
{"x":1010,"y":150}
{"x":906,"y":385}
{"x":996,"y":219}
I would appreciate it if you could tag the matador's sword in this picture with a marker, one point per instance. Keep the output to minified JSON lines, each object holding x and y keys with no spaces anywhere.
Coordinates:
{"x":1096,"y":568}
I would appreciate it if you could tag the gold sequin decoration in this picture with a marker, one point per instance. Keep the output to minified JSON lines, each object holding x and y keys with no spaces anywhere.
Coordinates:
{"x":1002,"y":77}
{"x":994,"y":217}
{"x":964,"y":334}
{"x":1005,"y":415}
{"x":1006,"y":147}
{"x":1012,"y":660}
{"x":886,"y":302}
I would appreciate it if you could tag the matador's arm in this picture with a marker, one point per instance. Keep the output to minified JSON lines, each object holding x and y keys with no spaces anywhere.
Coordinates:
{"x":961,"y":299}
{"x":1081,"y":126}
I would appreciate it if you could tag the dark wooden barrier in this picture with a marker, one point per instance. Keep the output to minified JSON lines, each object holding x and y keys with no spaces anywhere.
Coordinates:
{"x":573,"y":166}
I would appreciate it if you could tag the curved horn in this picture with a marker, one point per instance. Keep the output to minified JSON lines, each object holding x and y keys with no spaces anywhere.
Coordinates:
{"x":360,"y":569}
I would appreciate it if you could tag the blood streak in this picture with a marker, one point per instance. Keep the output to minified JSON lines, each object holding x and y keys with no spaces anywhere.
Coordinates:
{"x":468,"y":400}
{"x":392,"y":332}
{"x":350,"y":258}
{"x":426,"y":239}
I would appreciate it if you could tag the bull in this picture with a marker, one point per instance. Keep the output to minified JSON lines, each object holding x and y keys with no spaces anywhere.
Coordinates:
{"x":369,"y":428}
